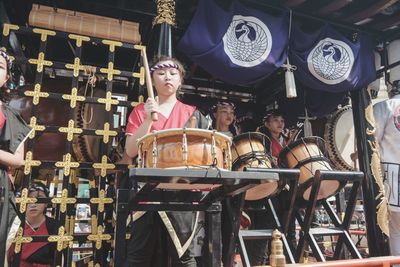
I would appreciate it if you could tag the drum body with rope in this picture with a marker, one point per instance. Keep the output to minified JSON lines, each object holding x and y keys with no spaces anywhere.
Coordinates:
{"x":184,"y":148}
{"x":340,"y":136}
{"x":253,"y":150}
{"x":309,"y":155}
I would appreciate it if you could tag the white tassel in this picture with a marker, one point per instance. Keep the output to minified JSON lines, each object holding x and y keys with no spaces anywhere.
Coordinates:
{"x":289,"y":80}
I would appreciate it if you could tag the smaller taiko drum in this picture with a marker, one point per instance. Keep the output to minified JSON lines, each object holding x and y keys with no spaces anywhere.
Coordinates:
{"x":309,"y":155}
{"x":253,"y":150}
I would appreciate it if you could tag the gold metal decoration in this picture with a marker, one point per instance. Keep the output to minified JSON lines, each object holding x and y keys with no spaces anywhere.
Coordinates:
{"x":104,"y":166}
{"x":24,"y":200}
{"x":60,"y":238}
{"x":110,"y":71}
{"x":19,"y":239}
{"x":73,"y":97}
{"x":140,"y":100}
{"x":70,"y":130}
{"x":63,"y":200}
{"x":40,"y":62}
{"x":101,"y":200}
{"x":382,"y":207}
{"x":76,"y":66}
{"x":106,"y":133}
{"x":139,"y":75}
{"x":29,"y":163}
{"x":111,"y":44}
{"x":165,"y":12}
{"x":7,"y":27}
{"x":35,"y":127}
{"x":108,"y":101}
{"x":44,"y":33}
{"x":277,"y":258}
{"x":36,"y":94}
{"x":79,"y":39}
{"x":67,"y":164}
{"x":99,"y":237}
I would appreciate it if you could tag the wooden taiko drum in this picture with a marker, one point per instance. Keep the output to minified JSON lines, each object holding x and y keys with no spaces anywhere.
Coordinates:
{"x":253,"y":150}
{"x":308,"y":154}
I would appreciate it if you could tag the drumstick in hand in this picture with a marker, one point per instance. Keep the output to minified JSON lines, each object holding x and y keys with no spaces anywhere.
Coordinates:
{"x":154,"y":116}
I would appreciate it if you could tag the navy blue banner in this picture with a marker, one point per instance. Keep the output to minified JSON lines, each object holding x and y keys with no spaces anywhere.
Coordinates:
{"x":328,"y":61}
{"x":240,"y":45}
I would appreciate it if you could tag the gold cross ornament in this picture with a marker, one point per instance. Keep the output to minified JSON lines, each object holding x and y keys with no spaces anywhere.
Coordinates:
{"x":76,"y":66}
{"x":108,"y":101}
{"x":70,"y":130}
{"x":7,"y":27}
{"x":99,"y":237}
{"x":101,"y":200}
{"x":36,"y":94}
{"x":60,"y":238}
{"x":79,"y":39}
{"x":139,"y":75}
{"x":63,"y":200}
{"x":73,"y":97}
{"x":44,"y":33}
{"x":35,"y":127}
{"x":111,"y":44}
{"x":110,"y":71}
{"x":67,"y":164}
{"x":23,"y":200}
{"x":106,"y":133}
{"x":19,"y":239}
{"x":104,"y":166}
{"x":29,"y":163}
{"x":40,"y":62}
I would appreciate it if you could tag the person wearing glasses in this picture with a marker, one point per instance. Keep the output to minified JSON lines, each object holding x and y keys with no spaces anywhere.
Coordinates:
{"x":37,"y":223}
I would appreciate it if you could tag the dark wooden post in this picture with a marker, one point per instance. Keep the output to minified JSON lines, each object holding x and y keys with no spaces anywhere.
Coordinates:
{"x":163,"y":23}
{"x":377,"y":241}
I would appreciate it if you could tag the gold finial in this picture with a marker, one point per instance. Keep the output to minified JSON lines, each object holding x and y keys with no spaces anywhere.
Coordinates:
{"x":165,"y":12}
{"x":40,"y":62}
{"x":19,"y":239}
{"x":63,"y":200}
{"x":104,"y":166}
{"x":35,"y":127}
{"x":277,"y":258}
{"x":36,"y":94}
{"x":60,"y":238}
{"x":24,"y":200}
{"x":99,"y":237}
{"x":70,"y":130}
{"x":29,"y":163}
{"x":108,"y":101}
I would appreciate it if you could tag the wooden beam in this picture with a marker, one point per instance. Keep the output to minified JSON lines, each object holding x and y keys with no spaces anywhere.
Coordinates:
{"x":370,"y":11}
{"x":387,"y":23}
{"x":294,"y":3}
{"x":333,"y":6}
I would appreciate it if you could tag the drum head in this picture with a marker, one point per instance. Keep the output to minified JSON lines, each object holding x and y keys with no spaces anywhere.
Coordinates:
{"x":340,"y":136}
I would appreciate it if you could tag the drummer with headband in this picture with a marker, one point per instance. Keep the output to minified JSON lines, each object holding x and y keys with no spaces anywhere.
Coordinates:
{"x":224,"y":114}
{"x":148,"y":229}
{"x":274,"y":128}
